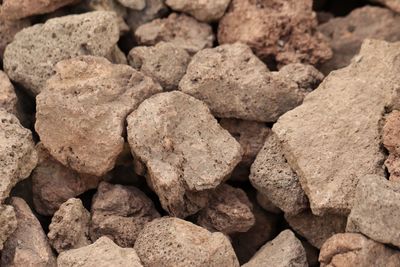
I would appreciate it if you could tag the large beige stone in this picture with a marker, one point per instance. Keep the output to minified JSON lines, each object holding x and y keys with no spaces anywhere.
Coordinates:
{"x":8,"y":223}
{"x":202,"y":10}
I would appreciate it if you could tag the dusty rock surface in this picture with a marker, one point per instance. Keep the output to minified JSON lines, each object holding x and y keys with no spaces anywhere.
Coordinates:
{"x":79,"y":99}
{"x":103,"y":253}
{"x":391,"y":141}
{"x":133,"y":4}
{"x":179,"y":29}
{"x":154,"y":9}
{"x":8,"y":97}
{"x":342,"y":117}
{"x":120,"y":213}
{"x":282,"y":30}
{"x":8,"y":29}
{"x":8,"y":223}
{"x":392,"y":4}
{"x":184,"y":149}
{"x":207,"y":11}
{"x":172,"y":242}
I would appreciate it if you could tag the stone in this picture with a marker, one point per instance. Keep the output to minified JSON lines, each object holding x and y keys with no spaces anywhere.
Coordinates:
{"x":376,"y":210}
{"x":273,"y":177}
{"x":266,"y":204}
{"x":8,"y":97}
{"x":154,"y":9}
{"x":8,"y":223}
{"x":69,"y":227}
{"x":316,"y":229}
{"x":8,"y":29}
{"x":133,"y":4}
{"x":391,"y":132}
{"x":206,"y":11}
{"x":29,"y":60}
{"x":18,"y":156}
{"x":306,"y":76}
{"x":342,"y":250}
{"x":165,"y":63}
{"x":229,"y":211}
{"x":346,"y":34}
{"x":285,"y":250}
{"x":185,"y":150}
{"x":53,"y":183}
{"x":333,"y":139}
{"x":103,"y":253}
{"x":28,"y":245}
{"x":179,"y":29}
{"x":172,"y":242}
{"x":120,"y":213}
{"x":279,"y":30}
{"x":392,"y":164}
{"x":79,"y":99}
{"x":392,"y":4}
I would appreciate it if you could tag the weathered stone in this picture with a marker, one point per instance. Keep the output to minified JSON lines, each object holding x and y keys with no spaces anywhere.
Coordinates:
{"x":342,"y":250}
{"x":306,"y":76}
{"x":172,"y":242}
{"x":28,"y":245}
{"x":69,"y":228}
{"x":120,"y":213}
{"x":166,"y":63}
{"x":89,"y":98}
{"x":346,"y":34}
{"x":8,"y":223}
{"x":185,"y":150}
{"x":392,"y":164}
{"x":8,"y":29}
{"x":285,"y":250}
{"x":391,"y":132}
{"x":392,"y":4}
{"x":376,"y":210}
{"x":30,"y":58}
{"x":207,"y":11}
{"x":8,"y":97}
{"x":280,"y":29}
{"x":134,"y":4}
{"x":266,"y":204}
{"x":333,"y":139}
{"x":154,"y":9}
{"x":181,"y":30}
{"x":102,"y":253}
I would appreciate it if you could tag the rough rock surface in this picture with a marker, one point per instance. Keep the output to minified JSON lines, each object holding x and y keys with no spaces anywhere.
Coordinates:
{"x":376,"y":210}
{"x":172,"y":242}
{"x":120,"y":213}
{"x":285,"y":250}
{"x":69,"y":227}
{"x":391,"y":141}
{"x":181,"y":30}
{"x":8,"y":223}
{"x":207,"y":11}
{"x":28,"y":245}
{"x":154,"y":9}
{"x":134,"y":4}
{"x":30,"y":58}
{"x":17,"y":153}
{"x":333,"y":139}
{"x":8,"y":97}
{"x":272,"y":176}
{"x":284,"y":30}
{"x":166,"y":63}
{"x":102,"y":253}
{"x":266,"y":204}
{"x":346,"y":34}
{"x":8,"y":29}
{"x":184,"y":149}
{"x":392,"y":4}
{"x":89,"y":98}
{"x":342,"y":250}
{"x":229,"y":211}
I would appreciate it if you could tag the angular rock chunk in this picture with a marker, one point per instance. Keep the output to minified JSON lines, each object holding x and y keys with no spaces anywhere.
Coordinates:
{"x":8,"y":29}
{"x":8,"y":97}
{"x":333,"y":139}
{"x":284,"y":30}
{"x":154,"y":9}
{"x":8,"y":223}
{"x":69,"y":226}
{"x":207,"y":11}
{"x":28,"y":245}
{"x":391,"y":141}
{"x":184,"y":149}
{"x":103,"y":253}
{"x":181,"y":30}
{"x":89,"y":98}
{"x":134,"y":4}
{"x":346,"y":34}
{"x":18,"y":156}
{"x":342,"y":250}
{"x":120,"y":213}
{"x":172,"y":242}
{"x":166,"y":63}
{"x":392,"y":4}
{"x":285,"y":250}
{"x":30,"y":58}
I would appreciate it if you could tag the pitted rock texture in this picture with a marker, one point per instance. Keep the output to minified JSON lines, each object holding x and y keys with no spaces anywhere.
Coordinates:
{"x":133,"y":4}
{"x":103,"y":253}
{"x":392,"y":4}
{"x":184,"y":149}
{"x":172,"y":242}
{"x":282,"y":30}
{"x":202,"y":10}
{"x":179,"y":29}
{"x":333,"y":139}
{"x":154,"y":9}
{"x":8,"y":29}
{"x":120,"y":213}
{"x":30,"y":58}
{"x":8,"y":97}
{"x":391,"y":141}
{"x":8,"y":223}
{"x":89,"y":98}
{"x":165,"y":62}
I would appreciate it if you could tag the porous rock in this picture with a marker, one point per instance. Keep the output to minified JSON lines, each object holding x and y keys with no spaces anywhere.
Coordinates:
{"x":154,"y":9}
{"x":391,"y":141}
{"x":172,"y":242}
{"x":8,"y":29}
{"x":392,"y":4}
{"x":133,"y":4}
{"x":8,"y":223}
{"x":207,"y":11}
{"x":89,"y":98}
{"x":8,"y":97}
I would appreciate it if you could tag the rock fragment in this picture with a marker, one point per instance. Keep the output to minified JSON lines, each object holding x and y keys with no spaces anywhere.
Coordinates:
{"x":154,"y":9}
{"x":8,"y":29}
{"x":8,"y":97}
{"x":133,"y":4}
{"x":89,"y":98}
{"x":392,"y":4}
{"x":266,"y":204}
{"x":207,"y":11}
{"x":391,"y":141}
{"x":172,"y":242}
{"x":8,"y":223}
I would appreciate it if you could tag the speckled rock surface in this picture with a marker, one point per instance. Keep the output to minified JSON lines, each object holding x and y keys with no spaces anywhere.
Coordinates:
{"x":8,"y":97}
{"x":392,"y":4}
{"x":266,"y":203}
{"x":202,"y":10}
{"x":8,"y":29}
{"x":8,"y":223}
{"x":154,"y":9}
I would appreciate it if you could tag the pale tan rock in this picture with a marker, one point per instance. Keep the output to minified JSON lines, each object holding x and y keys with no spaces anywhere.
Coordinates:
{"x":202,"y":10}
{"x":154,"y":9}
{"x":8,"y":223}
{"x":8,"y":97}
{"x":8,"y":29}
{"x":172,"y":242}
{"x":133,"y":4}
{"x":89,"y":98}
{"x":392,"y":4}
{"x":102,"y":253}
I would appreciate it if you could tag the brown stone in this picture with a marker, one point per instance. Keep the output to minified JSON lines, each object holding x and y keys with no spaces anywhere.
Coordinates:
{"x":8,"y":97}
{"x":8,"y":29}
{"x":8,"y":223}
{"x":266,"y":204}
{"x":154,"y":9}
{"x":392,"y":4}
{"x":391,"y":132}
{"x":207,"y":11}
{"x":133,"y":4}
{"x":392,"y":164}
